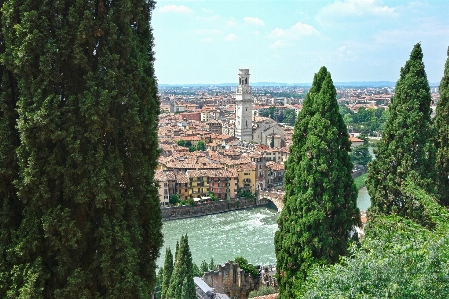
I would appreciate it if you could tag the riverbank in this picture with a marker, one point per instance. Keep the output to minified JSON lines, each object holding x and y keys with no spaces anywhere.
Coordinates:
{"x":211,"y":208}
{"x":360,"y":181}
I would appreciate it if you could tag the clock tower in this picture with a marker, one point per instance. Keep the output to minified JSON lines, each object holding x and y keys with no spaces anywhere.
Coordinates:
{"x":243,"y":108}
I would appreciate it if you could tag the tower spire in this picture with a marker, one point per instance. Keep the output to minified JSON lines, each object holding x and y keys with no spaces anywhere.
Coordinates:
{"x":243,"y":107}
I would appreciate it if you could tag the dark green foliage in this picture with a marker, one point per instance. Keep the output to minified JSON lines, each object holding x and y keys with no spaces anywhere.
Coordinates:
{"x":181,"y":281}
{"x":269,"y":112}
{"x":245,"y":266}
{"x":245,"y":193}
{"x":360,"y":155}
{"x":406,"y":149}
{"x":320,"y":196}
{"x":174,"y":199}
{"x":366,"y":121}
{"x":290,"y":116}
{"x":158,"y":287}
{"x":188,"y":290}
{"x":181,"y":142}
{"x":360,"y":181}
{"x":398,"y":258}
{"x":262,"y":291}
{"x":442,"y":138}
{"x":201,"y":146}
{"x":168,"y":271}
{"x":88,"y":108}
{"x":196,"y":271}
{"x":212,"y":265}
{"x":10,"y":207}
{"x":204,"y":267}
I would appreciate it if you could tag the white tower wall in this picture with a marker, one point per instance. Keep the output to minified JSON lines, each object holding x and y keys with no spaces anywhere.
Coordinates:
{"x":243,"y":107}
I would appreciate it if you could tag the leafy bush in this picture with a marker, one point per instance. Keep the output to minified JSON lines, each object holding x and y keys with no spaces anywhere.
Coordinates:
{"x":262,"y":291}
{"x":399,"y":258}
{"x":245,"y":266}
{"x":360,"y":181}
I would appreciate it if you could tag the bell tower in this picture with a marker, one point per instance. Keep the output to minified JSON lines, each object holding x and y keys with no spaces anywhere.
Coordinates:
{"x":243,"y":108}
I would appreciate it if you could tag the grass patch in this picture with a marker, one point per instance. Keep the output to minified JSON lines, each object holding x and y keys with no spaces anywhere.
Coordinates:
{"x":360,"y":181}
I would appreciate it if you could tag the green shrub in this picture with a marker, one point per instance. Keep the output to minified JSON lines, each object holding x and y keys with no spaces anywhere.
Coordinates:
{"x":360,"y":181}
{"x":245,"y":266}
{"x":262,"y":291}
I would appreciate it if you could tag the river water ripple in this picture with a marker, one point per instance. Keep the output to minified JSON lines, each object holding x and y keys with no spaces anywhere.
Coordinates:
{"x":248,"y":233}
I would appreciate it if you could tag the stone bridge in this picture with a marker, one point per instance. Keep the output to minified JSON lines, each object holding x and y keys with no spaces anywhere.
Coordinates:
{"x":274,"y":196}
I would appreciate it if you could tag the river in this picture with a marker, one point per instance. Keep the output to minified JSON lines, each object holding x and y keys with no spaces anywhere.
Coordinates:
{"x":248,"y":233}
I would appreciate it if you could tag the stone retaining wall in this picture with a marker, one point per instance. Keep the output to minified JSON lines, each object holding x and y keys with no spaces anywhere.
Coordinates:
{"x":210,"y":208}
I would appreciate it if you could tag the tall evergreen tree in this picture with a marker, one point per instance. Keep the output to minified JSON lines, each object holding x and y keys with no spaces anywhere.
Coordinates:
{"x":320,"y":201}
{"x":88,"y":110}
{"x":168,"y":270}
{"x":406,"y":148}
{"x":181,"y":282}
{"x":10,"y":207}
{"x":442,"y":137}
{"x":158,"y":287}
{"x":300,"y":132}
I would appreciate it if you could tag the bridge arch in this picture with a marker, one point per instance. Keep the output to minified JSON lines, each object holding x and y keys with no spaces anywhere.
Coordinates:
{"x":275,"y":197}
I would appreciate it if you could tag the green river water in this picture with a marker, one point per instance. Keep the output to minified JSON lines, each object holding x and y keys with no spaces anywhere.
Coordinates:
{"x":248,"y":233}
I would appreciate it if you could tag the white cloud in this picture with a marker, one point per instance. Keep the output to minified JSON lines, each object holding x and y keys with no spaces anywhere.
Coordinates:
{"x":231,"y":37}
{"x":278,"y":44}
{"x":354,"y":8}
{"x":209,"y":18}
{"x":176,"y":9}
{"x":346,"y":55}
{"x":294,"y":32}
{"x":206,"y":10}
{"x":208,"y":31}
{"x":231,"y":22}
{"x":253,"y":21}
{"x":207,"y":40}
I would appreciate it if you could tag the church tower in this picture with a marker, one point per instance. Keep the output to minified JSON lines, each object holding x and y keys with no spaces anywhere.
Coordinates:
{"x":243,"y":108}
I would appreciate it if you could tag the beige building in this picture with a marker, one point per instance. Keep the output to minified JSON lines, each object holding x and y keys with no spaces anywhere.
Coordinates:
{"x":162,"y":180}
{"x":266,"y":131}
{"x":247,"y":177}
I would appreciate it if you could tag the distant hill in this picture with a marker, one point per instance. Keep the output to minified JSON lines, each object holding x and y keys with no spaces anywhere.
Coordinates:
{"x":278,"y":84}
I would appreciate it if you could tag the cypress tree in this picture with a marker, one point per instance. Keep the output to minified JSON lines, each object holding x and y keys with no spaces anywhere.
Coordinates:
{"x":442,"y":137}
{"x":181,"y":282}
{"x":88,"y":110}
{"x":10,"y":207}
{"x":188,"y":289}
{"x":300,"y":131}
{"x":168,"y":270}
{"x":320,"y":200}
{"x":406,"y":149}
{"x":158,"y":287}
{"x":204,"y":267}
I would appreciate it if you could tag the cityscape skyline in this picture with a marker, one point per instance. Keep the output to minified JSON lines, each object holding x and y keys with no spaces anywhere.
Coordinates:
{"x":206,"y":42}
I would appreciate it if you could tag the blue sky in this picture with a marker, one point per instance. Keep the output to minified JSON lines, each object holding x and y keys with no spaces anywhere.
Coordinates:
{"x":288,"y":41}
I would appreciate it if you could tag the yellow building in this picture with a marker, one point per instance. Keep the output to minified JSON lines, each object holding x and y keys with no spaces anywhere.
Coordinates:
{"x":247,"y":177}
{"x":198,"y":183}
